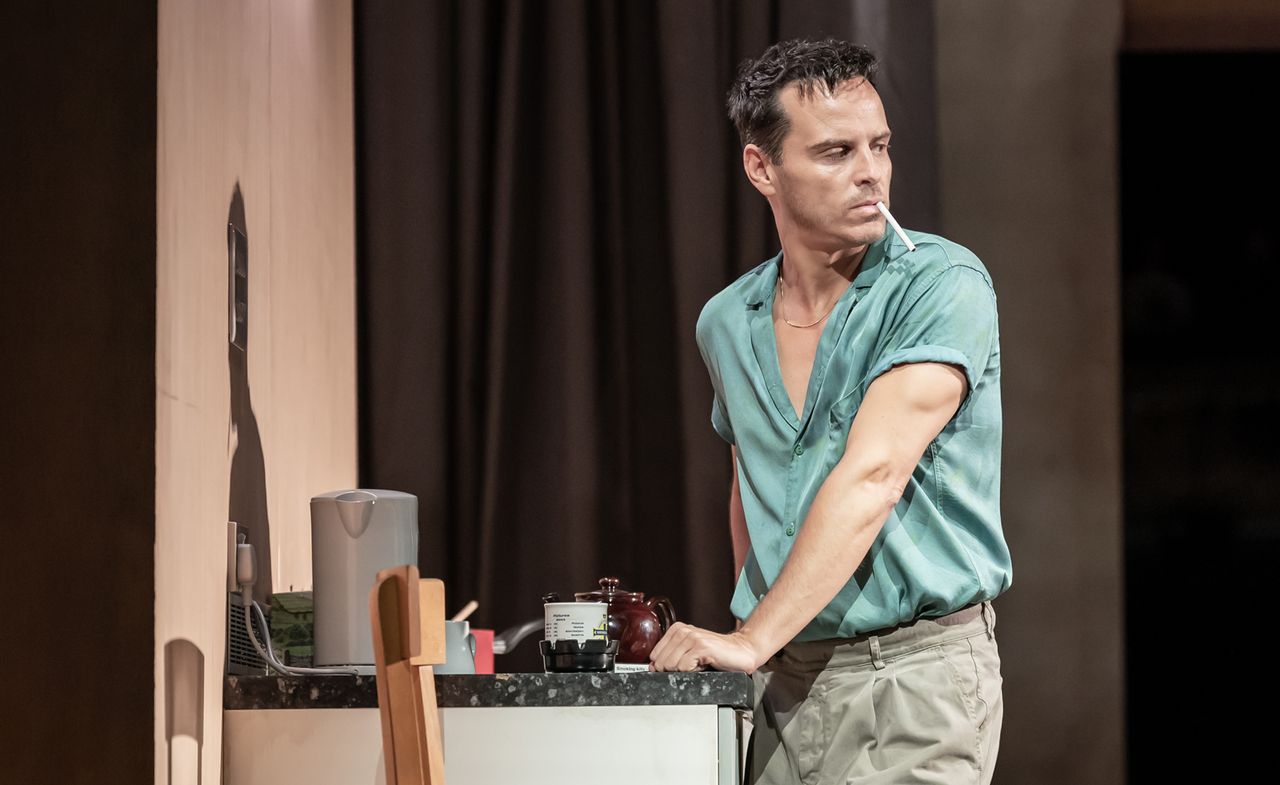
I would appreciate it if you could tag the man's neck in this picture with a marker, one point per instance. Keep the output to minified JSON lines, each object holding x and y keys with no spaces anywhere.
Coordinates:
{"x":815,"y":277}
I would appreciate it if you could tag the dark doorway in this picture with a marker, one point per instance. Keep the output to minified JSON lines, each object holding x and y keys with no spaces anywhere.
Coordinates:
{"x":1200,"y":263}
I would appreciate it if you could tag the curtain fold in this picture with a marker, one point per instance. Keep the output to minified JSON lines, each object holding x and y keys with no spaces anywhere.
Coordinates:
{"x":547,"y":195}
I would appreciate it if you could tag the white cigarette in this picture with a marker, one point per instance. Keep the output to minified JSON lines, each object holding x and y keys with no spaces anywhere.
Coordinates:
{"x":885,"y":210}
{"x":466,"y":611}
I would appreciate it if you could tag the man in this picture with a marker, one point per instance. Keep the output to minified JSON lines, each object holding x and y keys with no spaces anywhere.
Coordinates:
{"x":858,"y":382}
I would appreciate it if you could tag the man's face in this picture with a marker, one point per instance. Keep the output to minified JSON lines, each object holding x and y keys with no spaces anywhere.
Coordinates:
{"x":835,"y":166}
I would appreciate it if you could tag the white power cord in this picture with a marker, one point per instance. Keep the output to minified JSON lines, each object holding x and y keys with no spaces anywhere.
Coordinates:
{"x":245,"y":577}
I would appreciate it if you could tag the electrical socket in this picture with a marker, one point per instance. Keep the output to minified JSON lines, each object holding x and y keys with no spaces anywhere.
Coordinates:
{"x":233,"y":534}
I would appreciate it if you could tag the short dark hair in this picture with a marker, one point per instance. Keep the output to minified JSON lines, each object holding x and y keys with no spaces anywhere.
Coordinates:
{"x":812,"y":65}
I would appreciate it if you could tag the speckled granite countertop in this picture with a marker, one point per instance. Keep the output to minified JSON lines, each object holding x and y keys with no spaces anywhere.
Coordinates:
{"x":500,"y":690}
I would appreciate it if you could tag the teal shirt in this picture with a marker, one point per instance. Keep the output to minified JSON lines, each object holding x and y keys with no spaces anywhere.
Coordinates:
{"x":942,"y":546}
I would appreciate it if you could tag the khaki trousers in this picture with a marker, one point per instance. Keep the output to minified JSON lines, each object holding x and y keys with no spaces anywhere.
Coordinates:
{"x":918,"y":704}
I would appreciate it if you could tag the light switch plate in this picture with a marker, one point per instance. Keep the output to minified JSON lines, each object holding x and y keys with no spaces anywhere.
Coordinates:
{"x":238,"y":294}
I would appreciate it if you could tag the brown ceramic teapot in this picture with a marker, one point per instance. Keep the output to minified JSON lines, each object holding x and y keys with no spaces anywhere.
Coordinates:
{"x":635,"y":623}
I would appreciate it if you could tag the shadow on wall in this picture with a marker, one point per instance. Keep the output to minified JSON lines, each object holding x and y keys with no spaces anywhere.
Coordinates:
{"x":247,"y":504}
{"x":183,"y":710}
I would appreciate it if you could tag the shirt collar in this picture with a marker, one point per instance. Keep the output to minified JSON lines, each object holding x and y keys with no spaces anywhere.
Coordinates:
{"x":873,"y":263}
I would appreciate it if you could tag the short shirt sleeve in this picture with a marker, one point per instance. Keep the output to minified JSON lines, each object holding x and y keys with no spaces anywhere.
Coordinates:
{"x":952,"y":320}
{"x":720,"y":420}
{"x":719,"y":414}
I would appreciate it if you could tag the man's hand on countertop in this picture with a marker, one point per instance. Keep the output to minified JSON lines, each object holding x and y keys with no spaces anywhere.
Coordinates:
{"x":688,"y":648}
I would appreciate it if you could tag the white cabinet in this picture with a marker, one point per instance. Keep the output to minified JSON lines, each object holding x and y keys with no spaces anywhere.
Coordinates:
{"x":534,"y":745}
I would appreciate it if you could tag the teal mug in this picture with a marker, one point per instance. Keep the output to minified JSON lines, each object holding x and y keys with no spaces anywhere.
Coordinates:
{"x":459,"y":648}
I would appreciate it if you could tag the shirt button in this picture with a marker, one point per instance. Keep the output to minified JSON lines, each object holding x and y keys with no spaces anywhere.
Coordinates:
{"x":791,"y":529}
{"x":799,"y":450}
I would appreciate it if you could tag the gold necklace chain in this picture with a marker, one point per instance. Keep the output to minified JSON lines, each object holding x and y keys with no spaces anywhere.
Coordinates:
{"x":782,"y":306}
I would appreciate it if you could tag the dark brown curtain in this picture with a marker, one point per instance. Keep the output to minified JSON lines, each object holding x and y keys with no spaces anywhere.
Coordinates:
{"x":548,"y":194}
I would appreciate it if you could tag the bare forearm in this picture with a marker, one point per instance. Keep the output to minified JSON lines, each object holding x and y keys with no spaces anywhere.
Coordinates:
{"x":842,"y":523}
{"x":902,"y":411}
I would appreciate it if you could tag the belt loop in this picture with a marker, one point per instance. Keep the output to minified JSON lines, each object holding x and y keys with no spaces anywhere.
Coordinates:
{"x":875,"y":653}
{"x":987,"y":613}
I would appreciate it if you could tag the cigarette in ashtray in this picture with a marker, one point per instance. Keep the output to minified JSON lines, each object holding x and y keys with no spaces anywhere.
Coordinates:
{"x":885,"y":210}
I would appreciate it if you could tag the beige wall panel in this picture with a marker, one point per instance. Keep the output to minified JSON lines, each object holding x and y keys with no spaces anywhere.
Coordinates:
{"x":1027,"y":142}
{"x":212,"y":112}
{"x":232,"y":106}
{"x":309,"y":413}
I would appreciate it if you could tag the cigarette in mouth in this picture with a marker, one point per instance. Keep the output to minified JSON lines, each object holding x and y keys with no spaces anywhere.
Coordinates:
{"x":885,"y":210}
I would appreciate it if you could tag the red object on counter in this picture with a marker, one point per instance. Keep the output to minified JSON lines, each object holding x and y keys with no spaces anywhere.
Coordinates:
{"x":484,"y":650}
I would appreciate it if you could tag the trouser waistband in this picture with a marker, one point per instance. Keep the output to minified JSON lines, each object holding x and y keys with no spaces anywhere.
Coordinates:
{"x":878,"y":645}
